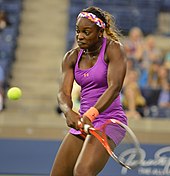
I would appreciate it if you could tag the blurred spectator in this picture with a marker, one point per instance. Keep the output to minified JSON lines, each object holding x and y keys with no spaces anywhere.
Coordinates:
{"x":167,"y":64}
{"x":151,"y":52}
{"x":130,"y":65}
{"x":151,"y":58}
{"x":163,"y":74}
{"x":4,"y":22}
{"x":158,"y":75}
{"x":164,"y":97}
{"x":167,"y":60}
{"x":153,"y":75}
{"x":134,"y":44}
{"x":132,"y":97}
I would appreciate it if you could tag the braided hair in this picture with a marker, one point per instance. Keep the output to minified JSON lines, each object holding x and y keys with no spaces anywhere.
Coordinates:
{"x":110,"y":29}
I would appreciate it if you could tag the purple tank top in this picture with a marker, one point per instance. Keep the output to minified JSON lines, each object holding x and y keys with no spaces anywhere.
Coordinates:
{"x":93,"y":82}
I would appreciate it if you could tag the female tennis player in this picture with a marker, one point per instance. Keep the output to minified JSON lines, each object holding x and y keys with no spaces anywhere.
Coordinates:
{"x":98,"y":65}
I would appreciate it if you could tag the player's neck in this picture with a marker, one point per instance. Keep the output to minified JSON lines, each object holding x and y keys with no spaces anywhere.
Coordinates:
{"x":94,"y":50}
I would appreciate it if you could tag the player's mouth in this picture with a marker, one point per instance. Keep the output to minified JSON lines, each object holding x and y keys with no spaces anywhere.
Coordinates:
{"x":81,"y":44}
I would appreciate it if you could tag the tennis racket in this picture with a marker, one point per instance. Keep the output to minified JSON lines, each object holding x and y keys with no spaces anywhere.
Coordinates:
{"x":127,"y":153}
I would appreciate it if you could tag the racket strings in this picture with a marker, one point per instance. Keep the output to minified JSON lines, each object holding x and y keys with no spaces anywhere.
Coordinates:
{"x":128,"y":151}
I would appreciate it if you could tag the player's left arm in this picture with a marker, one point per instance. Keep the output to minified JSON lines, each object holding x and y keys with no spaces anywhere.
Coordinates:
{"x":116,"y":59}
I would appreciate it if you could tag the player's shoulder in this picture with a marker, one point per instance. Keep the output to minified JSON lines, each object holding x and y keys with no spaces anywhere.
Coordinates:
{"x":71,"y":56}
{"x":113,"y":44}
{"x":72,"y":53}
{"x":113,"y":47}
{"x":113,"y":50}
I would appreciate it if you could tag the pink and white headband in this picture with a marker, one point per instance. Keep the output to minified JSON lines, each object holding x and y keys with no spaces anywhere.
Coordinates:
{"x":92,"y":17}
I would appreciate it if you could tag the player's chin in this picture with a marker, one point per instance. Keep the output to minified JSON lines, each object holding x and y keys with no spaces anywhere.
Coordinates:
{"x":82,"y":45}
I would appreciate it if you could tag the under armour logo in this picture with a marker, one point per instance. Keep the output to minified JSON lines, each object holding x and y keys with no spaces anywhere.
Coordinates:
{"x":85,"y":74}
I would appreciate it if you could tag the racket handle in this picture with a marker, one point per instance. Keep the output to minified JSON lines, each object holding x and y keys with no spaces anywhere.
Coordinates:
{"x":80,"y":124}
{"x":86,"y":128}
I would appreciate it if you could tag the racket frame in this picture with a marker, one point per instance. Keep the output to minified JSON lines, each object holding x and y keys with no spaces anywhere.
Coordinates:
{"x":102,"y":137}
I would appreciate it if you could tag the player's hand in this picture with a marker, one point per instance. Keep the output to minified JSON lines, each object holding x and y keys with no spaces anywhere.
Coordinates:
{"x":86,"y":120}
{"x":72,"y":119}
{"x":84,"y":123}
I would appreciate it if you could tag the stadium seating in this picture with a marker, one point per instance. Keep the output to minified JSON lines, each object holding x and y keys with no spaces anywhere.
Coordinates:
{"x":165,"y":5}
{"x":127,"y":14}
{"x":8,"y":36}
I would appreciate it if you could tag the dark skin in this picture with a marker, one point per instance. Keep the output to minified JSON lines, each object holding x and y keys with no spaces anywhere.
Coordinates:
{"x":77,"y":157}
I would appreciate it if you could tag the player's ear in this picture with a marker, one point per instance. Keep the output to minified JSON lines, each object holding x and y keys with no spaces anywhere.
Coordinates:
{"x":100,"y":34}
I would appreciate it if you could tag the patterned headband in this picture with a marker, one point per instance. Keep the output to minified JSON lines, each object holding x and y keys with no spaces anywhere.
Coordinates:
{"x":92,"y":18}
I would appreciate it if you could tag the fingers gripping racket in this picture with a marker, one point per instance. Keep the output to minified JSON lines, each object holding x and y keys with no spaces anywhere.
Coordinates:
{"x":127,"y":153}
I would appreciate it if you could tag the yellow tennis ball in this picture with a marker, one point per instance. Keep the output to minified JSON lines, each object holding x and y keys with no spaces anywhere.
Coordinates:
{"x":14,"y":93}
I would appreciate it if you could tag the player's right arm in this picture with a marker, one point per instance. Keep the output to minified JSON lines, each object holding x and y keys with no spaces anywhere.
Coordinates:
{"x":64,"y":95}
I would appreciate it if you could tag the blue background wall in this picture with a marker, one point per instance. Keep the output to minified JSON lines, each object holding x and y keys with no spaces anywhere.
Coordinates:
{"x":35,"y":157}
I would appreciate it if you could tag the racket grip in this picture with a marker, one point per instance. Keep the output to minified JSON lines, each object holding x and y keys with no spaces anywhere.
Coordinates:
{"x":86,"y":128}
{"x":80,"y":124}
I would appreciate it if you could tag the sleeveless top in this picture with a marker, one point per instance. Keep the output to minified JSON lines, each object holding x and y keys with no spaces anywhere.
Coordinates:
{"x":93,"y":83}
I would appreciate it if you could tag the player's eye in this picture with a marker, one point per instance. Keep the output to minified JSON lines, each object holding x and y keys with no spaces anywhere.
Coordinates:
{"x":77,"y":31}
{"x":87,"y":32}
